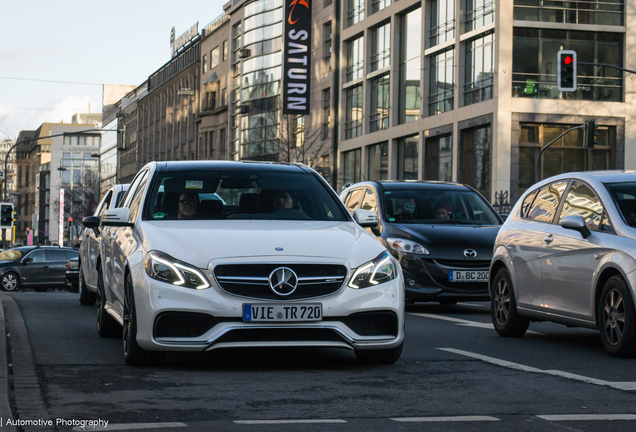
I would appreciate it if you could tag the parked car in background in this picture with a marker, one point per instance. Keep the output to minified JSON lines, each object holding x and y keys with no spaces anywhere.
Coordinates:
{"x":277,"y":262}
{"x":72,"y":274}
{"x":37,"y":267}
{"x":567,"y":254}
{"x":89,"y":248}
{"x":441,"y":233}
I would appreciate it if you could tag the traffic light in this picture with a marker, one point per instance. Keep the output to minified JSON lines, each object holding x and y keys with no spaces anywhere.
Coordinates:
{"x":6,"y":215}
{"x":591,"y":134}
{"x":566,"y":70}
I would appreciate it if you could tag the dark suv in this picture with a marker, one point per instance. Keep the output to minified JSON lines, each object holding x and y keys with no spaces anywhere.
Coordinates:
{"x":442,"y":233}
{"x":38,"y":267}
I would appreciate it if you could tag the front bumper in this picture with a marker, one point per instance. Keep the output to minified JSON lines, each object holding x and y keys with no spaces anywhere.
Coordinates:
{"x":171,"y":318}
{"x":426,"y":279}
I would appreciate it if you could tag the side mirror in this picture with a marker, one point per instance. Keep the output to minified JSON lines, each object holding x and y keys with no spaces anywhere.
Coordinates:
{"x":27,"y":260}
{"x":90,"y":222}
{"x":365,"y":218}
{"x":117,"y":217}
{"x":576,"y":223}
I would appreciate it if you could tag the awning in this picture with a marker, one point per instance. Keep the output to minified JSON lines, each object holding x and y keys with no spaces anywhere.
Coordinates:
{"x":211,"y":79}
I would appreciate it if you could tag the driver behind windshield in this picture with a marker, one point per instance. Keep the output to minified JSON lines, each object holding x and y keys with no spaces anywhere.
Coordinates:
{"x":282,"y":200}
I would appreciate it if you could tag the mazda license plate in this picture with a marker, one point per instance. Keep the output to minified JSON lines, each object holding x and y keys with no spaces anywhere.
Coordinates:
{"x":467,"y":276}
{"x":281,"y":312}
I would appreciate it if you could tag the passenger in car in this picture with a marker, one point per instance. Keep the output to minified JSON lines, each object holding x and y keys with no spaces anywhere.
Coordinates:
{"x":188,"y":205}
{"x":440,"y":211}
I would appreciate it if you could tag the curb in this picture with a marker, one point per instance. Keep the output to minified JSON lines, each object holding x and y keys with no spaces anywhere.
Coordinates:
{"x":5,"y":408}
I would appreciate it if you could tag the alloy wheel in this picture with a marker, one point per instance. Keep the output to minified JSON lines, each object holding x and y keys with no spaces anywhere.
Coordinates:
{"x":502,"y":301}
{"x":10,"y":282}
{"x":614,"y":317}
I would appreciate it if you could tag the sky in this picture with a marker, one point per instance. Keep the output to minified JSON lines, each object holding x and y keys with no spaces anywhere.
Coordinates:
{"x":89,"y":42}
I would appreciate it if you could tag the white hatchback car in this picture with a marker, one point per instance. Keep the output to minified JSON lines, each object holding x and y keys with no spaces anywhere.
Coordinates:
{"x":277,"y":261}
{"x":89,"y":250}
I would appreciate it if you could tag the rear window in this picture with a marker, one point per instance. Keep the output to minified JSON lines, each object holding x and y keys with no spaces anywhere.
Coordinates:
{"x":241,"y":194}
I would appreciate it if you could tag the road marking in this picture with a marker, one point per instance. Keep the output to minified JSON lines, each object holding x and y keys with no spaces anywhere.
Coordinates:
{"x":130,"y":426}
{"x":558,"y":373}
{"x":586,"y":417}
{"x":462,"y":322}
{"x":289,"y":421}
{"x":445,"y":419}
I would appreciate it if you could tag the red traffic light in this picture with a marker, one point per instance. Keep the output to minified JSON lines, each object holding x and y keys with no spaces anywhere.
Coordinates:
{"x":70,"y":219}
{"x":567,"y":60}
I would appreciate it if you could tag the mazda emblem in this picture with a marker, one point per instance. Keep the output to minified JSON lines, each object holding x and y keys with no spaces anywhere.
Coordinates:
{"x":283,"y":281}
{"x":470,"y":253}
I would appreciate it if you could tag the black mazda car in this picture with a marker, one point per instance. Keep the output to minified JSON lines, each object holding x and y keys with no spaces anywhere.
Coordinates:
{"x":38,"y":267}
{"x":442,"y":233}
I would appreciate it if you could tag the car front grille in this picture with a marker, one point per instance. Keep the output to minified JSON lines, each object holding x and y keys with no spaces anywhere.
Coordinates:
{"x":463,"y":264}
{"x":252,"y":280}
{"x":438,"y":271}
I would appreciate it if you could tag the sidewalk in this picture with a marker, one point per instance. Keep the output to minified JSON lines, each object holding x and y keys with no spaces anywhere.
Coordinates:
{"x":5,"y":409}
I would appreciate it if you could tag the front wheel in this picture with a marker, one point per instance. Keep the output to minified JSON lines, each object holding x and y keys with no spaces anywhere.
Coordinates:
{"x":133,"y":353}
{"x":503,"y":307}
{"x":10,"y":282}
{"x":380,"y":356}
{"x":107,"y":327}
{"x":617,"y":318}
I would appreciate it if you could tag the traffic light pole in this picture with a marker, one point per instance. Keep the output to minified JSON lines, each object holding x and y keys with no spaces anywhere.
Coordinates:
{"x":537,"y":169}
{"x":607,"y":65}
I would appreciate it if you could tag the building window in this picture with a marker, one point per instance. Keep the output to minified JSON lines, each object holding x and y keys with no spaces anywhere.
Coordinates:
{"x":442,"y":21}
{"x":299,"y":130}
{"x":26,"y":176}
{"x":66,"y":177}
{"x":534,"y":58}
{"x":205,"y":63}
{"x":351,"y":172}
{"x":381,"y":47}
{"x":442,"y":82}
{"x":355,"y":12}
{"x":410,"y":66}
{"x":224,"y":97}
{"x":378,"y":161}
{"x":408,"y":158}
{"x":225,"y":50}
{"x":355,"y":59}
{"x":327,"y":3}
{"x":439,"y":158}
{"x":480,"y":67}
{"x":326,"y":112}
{"x":378,"y":5}
{"x":478,"y":14}
{"x":600,"y":12}
{"x":19,"y":176}
{"x":566,"y":155}
{"x":214,"y":57}
{"x":379,"y":118}
{"x":353,"y":120}
{"x":475,"y":158}
{"x":327,"y":47}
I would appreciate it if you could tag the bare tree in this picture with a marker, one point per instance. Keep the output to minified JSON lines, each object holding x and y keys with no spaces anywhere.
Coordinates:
{"x":80,"y":200}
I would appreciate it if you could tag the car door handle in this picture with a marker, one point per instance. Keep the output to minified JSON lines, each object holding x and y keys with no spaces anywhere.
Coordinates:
{"x":548,"y":238}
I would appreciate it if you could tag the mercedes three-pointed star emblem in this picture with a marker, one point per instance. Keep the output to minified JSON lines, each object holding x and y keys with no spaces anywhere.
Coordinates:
{"x":283,"y":281}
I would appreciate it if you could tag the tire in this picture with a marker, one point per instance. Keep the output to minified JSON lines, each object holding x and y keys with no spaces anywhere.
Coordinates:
{"x":107,"y":327}
{"x":86,"y":297}
{"x":503,"y":308}
{"x":133,"y":353}
{"x":617,"y":318}
{"x":10,"y":282}
{"x":380,"y":356}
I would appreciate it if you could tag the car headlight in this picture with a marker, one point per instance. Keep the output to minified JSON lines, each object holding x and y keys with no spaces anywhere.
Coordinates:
{"x":380,"y":270}
{"x":403,"y":245}
{"x":167,"y":269}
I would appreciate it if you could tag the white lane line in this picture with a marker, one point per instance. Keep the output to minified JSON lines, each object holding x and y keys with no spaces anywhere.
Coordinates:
{"x":289,"y":421}
{"x":587,"y":417}
{"x":517,"y":366}
{"x":445,"y":419}
{"x":130,"y":426}
{"x":461,"y":322}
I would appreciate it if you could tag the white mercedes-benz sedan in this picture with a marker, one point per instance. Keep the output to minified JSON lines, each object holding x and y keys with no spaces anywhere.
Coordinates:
{"x":206,"y":255}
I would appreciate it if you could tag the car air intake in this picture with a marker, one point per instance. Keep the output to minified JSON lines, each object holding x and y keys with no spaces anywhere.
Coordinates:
{"x":280,"y":335}
{"x":378,"y":323}
{"x":183,"y":324}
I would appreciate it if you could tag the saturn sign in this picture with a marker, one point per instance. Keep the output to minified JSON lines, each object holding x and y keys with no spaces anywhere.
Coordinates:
{"x":297,"y":57}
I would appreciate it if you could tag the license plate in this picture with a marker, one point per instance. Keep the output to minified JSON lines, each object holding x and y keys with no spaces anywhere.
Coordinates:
{"x":467,"y":276}
{"x":281,"y":313}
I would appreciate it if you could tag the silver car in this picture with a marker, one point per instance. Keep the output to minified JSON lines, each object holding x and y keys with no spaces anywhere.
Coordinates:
{"x":567,"y":254}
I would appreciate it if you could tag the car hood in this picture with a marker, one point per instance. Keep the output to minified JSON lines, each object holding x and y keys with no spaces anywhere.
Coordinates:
{"x":199,"y":242}
{"x":449,"y":241}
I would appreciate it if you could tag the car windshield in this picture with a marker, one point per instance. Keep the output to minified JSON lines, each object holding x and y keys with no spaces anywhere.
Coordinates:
{"x":241,"y":194}
{"x":452,"y":207}
{"x":11,"y":255}
{"x":624,"y":195}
